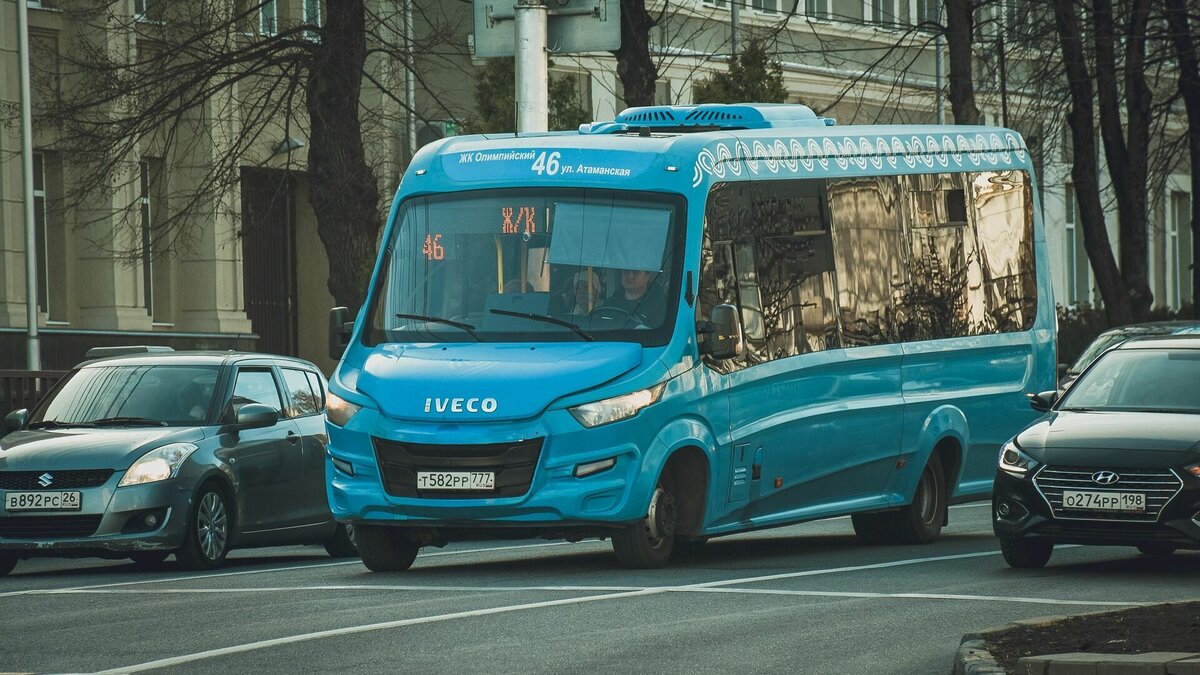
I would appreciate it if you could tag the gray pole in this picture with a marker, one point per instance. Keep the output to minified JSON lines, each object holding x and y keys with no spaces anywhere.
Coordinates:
{"x":937,"y":67}
{"x":533,"y":112}
{"x":410,"y":94}
{"x":32,"y":349}
{"x":734,"y":6}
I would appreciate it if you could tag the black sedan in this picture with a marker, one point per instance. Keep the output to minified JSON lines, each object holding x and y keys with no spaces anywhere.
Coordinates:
{"x":1116,"y":461}
{"x":191,"y":453}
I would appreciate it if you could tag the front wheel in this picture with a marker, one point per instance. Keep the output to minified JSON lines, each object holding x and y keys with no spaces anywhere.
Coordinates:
{"x":341,"y":543}
{"x":648,"y":543}
{"x":1026,"y":553}
{"x":206,"y":541}
{"x":385,"y":549}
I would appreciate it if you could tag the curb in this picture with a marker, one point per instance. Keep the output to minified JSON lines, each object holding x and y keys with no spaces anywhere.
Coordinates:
{"x":973,"y":658}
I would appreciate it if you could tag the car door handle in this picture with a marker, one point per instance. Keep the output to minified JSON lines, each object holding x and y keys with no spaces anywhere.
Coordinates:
{"x":293,"y":437}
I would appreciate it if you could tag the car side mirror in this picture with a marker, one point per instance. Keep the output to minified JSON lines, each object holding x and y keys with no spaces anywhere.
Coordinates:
{"x":722,"y":333}
{"x":1042,"y":401}
{"x":256,"y":416}
{"x":15,"y":420}
{"x":340,"y":328}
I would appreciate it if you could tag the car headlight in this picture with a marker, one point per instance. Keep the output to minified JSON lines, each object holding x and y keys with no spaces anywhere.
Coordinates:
{"x":616,"y":408}
{"x":1014,"y":461}
{"x":1193,"y":469}
{"x":158,"y":464}
{"x":338,"y":410}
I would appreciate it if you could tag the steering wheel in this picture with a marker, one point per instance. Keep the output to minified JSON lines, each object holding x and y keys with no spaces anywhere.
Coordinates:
{"x":612,"y":312}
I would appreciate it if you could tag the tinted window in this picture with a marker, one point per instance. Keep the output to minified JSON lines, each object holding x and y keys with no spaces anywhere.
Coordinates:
{"x":301,"y":400}
{"x":318,"y":389}
{"x":256,"y":386}
{"x":1139,"y":380}
{"x":177,"y":395}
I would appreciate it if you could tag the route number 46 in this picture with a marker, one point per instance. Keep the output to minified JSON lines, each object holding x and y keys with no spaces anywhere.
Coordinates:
{"x":547,"y":164}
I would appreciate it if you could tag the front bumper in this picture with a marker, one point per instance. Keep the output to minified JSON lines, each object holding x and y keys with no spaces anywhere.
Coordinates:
{"x":1027,"y":514}
{"x":111,"y":521}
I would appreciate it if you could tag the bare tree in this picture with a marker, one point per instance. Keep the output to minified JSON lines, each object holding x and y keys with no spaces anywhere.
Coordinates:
{"x":1188,"y":65}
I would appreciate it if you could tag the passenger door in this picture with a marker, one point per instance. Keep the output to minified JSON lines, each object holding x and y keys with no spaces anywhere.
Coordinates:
{"x":306,"y":400}
{"x":265,"y":461}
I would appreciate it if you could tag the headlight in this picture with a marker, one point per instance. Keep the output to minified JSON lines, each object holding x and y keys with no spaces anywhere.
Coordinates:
{"x":1014,"y":461}
{"x":1193,"y":469}
{"x":616,"y":408}
{"x":158,"y":464}
{"x":338,"y":410}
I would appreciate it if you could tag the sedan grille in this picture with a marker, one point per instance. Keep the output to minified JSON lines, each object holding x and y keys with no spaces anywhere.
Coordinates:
{"x":48,"y":527}
{"x":58,"y":480}
{"x":513,"y":464}
{"x":1159,"y":486}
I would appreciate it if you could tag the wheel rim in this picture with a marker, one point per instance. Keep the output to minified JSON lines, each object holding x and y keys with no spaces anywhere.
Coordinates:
{"x":660,"y":519}
{"x":212,"y":526}
{"x":350,"y":533}
{"x":927,"y":497}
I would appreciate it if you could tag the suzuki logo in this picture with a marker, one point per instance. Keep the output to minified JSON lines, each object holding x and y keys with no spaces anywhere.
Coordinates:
{"x":45,"y":480}
{"x":459,"y":405}
{"x":1105,"y":477}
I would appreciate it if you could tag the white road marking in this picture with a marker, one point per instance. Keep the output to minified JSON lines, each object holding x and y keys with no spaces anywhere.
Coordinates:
{"x":912,"y":596}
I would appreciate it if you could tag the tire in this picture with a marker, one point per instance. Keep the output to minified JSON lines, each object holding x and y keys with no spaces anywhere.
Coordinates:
{"x":1026,"y":553}
{"x":918,"y":523}
{"x":341,"y":543}
{"x":8,"y":560}
{"x":1157,"y":550}
{"x":149,"y":559}
{"x":206,"y":541}
{"x":385,"y":549}
{"x":648,"y":543}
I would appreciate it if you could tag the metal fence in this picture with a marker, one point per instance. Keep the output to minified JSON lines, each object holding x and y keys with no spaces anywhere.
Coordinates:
{"x":22,"y":388}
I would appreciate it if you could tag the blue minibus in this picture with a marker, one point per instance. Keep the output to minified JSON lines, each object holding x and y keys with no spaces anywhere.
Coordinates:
{"x":687,"y":322}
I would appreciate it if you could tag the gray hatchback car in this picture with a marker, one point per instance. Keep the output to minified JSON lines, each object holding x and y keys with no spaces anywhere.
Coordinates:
{"x":191,"y":453}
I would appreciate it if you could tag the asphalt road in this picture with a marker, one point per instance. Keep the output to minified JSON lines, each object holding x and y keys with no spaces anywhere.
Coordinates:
{"x":805,"y":599}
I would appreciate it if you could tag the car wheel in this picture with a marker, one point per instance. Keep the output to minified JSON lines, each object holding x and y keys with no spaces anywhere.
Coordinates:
{"x":149,"y":559}
{"x":385,"y":549}
{"x":8,"y":561}
{"x":918,"y":523}
{"x":341,"y":543}
{"x":1157,"y":550}
{"x":648,"y":543}
{"x":206,"y":541}
{"x":1026,"y":553}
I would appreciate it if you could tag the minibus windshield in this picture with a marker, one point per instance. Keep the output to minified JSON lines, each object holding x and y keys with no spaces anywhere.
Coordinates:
{"x":529,"y":265}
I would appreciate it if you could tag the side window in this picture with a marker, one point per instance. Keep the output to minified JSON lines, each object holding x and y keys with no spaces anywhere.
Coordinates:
{"x":255,"y":386}
{"x":318,"y":389}
{"x":301,"y":400}
{"x":1003,"y":212}
{"x":725,"y":210}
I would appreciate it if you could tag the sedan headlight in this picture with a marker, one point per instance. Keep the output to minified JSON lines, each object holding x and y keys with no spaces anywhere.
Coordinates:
{"x":1193,"y":469}
{"x":616,"y":408}
{"x":158,"y":464}
{"x":1014,"y":461}
{"x":338,"y":410}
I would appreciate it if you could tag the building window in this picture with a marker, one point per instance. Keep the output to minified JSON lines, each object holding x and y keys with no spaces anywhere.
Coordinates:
{"x":883,"y":12}
{"x":147,"y":236}
{"x":719,"y":4}
{"x":818,"y":9}
{"x":1176,"y":263}
{"x":41,"y":234}
{"x":312,"y":12}
{"x":1072,"y":246}
{"x":268,"y":18}
{"x":927,"y":11}
{"x":765,"y":6}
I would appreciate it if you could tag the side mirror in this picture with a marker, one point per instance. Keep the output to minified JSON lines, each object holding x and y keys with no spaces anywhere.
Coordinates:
{"x":1042,"y":401}
{"x":722,"y":334}
{"x":339,"y":332}
{"x":15,"y":420}
{"x":256,"y":416}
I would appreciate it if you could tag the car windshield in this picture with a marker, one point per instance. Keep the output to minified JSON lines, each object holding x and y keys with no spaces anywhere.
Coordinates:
{"x":531,"y":265}
{"x":1096,"y":348}
{"x":1150,"y":380}
{"x":130,"y":395}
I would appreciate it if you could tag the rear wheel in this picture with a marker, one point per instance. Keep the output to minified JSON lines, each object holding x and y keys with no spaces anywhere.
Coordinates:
{"x":8,"y":561}
{"x":341,"y":543}
{"x":385,"y":549}
{"x":206,"y":541}
{"x":149,"y":559}
{"x":1026,"y":553}
{"x":917,"y":523}
{"x":1157,"y":550}
{"x":648,"y":543}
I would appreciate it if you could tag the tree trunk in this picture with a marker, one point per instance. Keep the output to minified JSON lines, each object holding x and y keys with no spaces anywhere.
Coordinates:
{"x":1188,"y":64}
{"x":1128,"y":152}
{"x":635,"y":67}
{"x":960,"y":29}
{"x":1085,"y":171}
{"x":342,"y":187}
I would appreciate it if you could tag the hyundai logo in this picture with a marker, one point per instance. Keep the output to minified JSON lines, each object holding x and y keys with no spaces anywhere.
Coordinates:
{"x":1105,"y":477}
{"x":45,"y":480}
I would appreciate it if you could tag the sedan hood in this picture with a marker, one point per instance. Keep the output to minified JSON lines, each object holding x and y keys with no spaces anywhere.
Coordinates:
{"x":465,"y":382}
{"x":83,"y":448}
{"x":1113,"y":439}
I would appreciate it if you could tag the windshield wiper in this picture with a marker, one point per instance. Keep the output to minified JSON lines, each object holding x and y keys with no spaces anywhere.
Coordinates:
{"x":546,"y":319}
{"x":1079,"y":409}
{"x":437,"y":319}
{"x":55,"y":424}
{"x":131,"y":421}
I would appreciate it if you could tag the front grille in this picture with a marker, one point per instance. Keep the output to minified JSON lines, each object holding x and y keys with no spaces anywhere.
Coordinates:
{"x":513,"y":464}
{"x":59,"y":480}
{"x":48,"y":527}
{"x":1159,"y":486}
